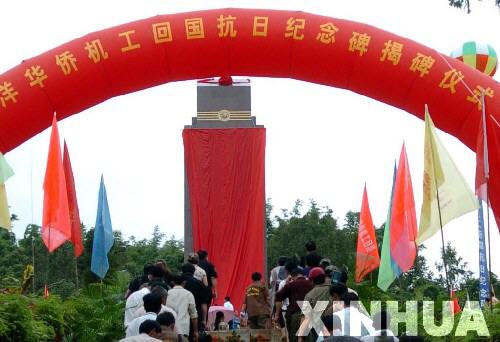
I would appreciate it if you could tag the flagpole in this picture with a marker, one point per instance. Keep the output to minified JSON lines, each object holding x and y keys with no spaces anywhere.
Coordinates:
{"x":487,"y":178}
{"x":442,"y":240}
{"x":76,"y":271}
{"x":439,"y":212}
{"x":489,"y":242}
{"x":32,"y":237}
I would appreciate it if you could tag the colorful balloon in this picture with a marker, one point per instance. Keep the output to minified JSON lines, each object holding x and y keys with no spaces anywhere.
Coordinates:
{"x":479,"y":56}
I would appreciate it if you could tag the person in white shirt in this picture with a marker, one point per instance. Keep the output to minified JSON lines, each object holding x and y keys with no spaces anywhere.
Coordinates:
{"x":228,"y":304}
{"x":160,"y":291}
{"x":134,"y":302}
{"x":182,"y":301}
{"x":354,"y":323}
{"x":149,"y":330}
{"x":152,"y":305}
{"x":381,"y":322}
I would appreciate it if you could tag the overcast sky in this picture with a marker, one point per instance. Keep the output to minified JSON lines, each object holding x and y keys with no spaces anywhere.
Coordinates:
{"x":322,"y":143}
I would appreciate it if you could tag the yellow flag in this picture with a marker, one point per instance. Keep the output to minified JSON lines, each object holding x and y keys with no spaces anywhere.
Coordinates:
{"x":4,"y":209}
{"x":442,"y":177}
{"x":5,"y":173}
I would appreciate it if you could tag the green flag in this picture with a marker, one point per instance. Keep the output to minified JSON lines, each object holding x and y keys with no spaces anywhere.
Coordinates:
{"x":388,"y":270}
{"x":5,"y":173}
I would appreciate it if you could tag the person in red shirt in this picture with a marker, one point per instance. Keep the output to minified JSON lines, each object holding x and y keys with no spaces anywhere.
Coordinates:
{"x":295,"y":291}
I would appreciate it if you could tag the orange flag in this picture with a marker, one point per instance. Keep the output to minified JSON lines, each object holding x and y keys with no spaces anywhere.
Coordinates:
{"x":403,"y":219}
{"x":76,"y":229}
{"x":56,"y":224}
{"x":46,"y":293}
{"x":367,"y":257}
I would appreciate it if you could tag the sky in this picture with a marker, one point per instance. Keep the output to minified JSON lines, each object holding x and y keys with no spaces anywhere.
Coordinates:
{"x":323,"y":143}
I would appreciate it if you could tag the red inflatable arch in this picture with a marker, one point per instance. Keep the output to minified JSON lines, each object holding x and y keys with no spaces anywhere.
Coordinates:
{"x":314,"y":48}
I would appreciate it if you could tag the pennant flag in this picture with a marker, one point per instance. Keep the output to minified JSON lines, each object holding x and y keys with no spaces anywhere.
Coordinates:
{"x":403,"y":229}
{"x":5,"y":173}
{"x":488,"y":152}
{"x":367,"y":258}
{"x":103,"y":235}
{"x":389,"y":270}
{"x":442,"y":177}
{"x":46,"y":293}
{"x":56,"y":224}
{"x":455,"y":307}
{"x":74,"y":215}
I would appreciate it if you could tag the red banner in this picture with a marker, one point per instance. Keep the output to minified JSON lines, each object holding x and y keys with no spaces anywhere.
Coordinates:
{"x":225,"y":173}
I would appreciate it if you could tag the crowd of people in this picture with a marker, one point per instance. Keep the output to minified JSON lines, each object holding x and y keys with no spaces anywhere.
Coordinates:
{"x":166,"y":306}
{"x":307,"y":298}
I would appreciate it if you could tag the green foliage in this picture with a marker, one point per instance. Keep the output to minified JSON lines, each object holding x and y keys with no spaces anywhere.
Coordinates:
{"x":89,"y":311}
{"x":465,"y":4}
{"x":18,"y":322}
{"x":10,"y":254}
{"x":318,"y":224}
{"x":457,"y":268}
{"x":102,"y":310}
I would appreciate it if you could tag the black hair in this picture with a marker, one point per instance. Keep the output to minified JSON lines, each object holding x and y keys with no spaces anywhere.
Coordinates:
{"x":310,"y":246}
{"x":282,"y":260}
{"x":290,"y":265}
{"x":343,"y":276}
{"x":177,"y":279}
{"x":227,"y":299}
{"x":166,"y":319}
{"x":319,"y":279}
{"x":324,"y":263}
{"x":147,"y":268}
{"x":156,"y":271}
{"x":219,"y":318}
{"x":188,"y":268}
{"x":349,"y":297}
{"x":256,"y":276}
{"x":148,"y":325}
{"x":295,"y":272}
{"x":381,"y":320}
{"x":338,"y":289}
{"x":203,"y":254}
{"x":152,"y":302}
{"x":160,"y":291}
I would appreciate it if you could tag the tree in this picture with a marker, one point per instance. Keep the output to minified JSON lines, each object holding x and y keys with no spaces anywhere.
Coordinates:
{"x":318,"y":224}
{"x":458,"y":274}
{"x":10,"y":254}
{"x":269,"y":220}
{"x":351,"y":220}
{"x":465,"y":4}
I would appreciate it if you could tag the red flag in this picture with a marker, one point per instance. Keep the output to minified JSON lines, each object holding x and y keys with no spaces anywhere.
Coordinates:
{"x":403,"y":226}
{"x":46,"y":293}
{"x":56,"y":224}
{"x":367,"y":258}
{"x":74,"y":215}
{"x":487,"y":153}
{"x":455,"y":307}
